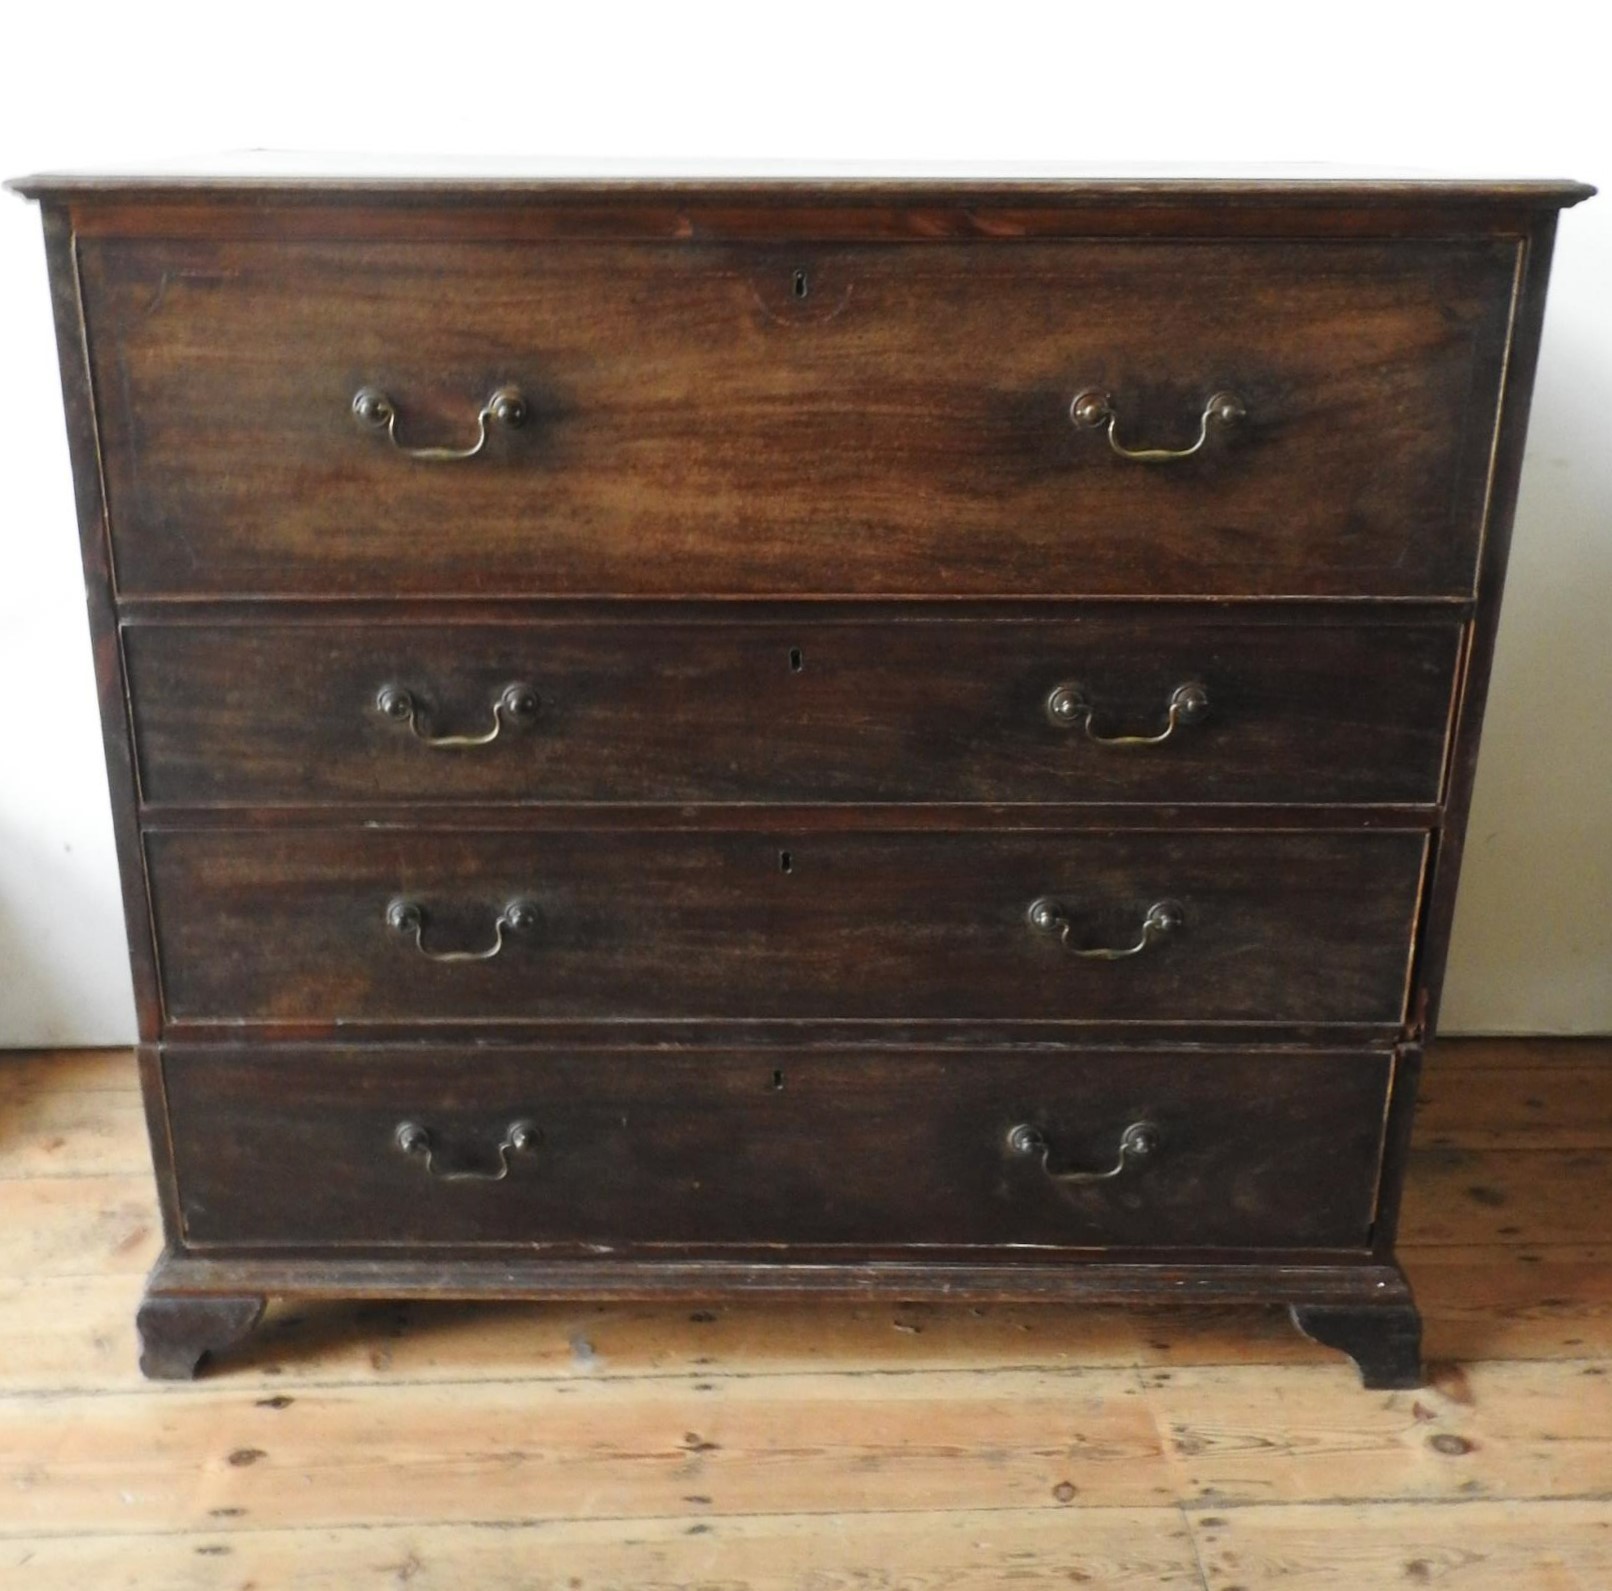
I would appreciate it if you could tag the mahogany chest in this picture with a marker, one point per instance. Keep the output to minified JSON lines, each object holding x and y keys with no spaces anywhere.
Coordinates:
{"x":710,"y":738}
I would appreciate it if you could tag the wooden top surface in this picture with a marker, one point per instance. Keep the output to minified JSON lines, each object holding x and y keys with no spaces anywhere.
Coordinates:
{"x":268,"y":177}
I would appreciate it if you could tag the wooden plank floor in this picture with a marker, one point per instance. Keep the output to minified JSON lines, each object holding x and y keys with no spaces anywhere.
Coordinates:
{"x":821,"y":1446}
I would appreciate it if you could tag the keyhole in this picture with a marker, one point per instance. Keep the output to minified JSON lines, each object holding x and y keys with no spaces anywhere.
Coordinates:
{"x":802,"y":284}
{"x":786,"y":862}
{"x":797,"y":660}
{"x":777,"y":1082}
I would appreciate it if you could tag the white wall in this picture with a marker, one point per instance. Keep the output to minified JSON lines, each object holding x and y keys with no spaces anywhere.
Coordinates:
{"x":1462,"y":87}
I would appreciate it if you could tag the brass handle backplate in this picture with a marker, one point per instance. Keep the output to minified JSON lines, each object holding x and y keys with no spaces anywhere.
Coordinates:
{"x":1069,"y":705}
{"x":413,"y":1138}
{"x":1139,"y":1141}
{"x":1094,"y":407}
{"x":408,"y":918}
{"x":516,"y":704}
{"x":375,"y":411}
{"x":1163,"y":917}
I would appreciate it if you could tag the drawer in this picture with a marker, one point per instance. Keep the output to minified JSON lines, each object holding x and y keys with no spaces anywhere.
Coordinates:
{"x":749,"y":420}
{"x":354,"y":925}
{"x":808,"y":711}
{"x":616,"y":1150}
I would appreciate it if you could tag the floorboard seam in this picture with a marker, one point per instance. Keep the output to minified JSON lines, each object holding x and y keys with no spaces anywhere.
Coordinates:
{"x":226,"y":1528}
{"x":229,"y":1379}
{"x":1219,"y":1505}
{"x":1197,"y":1550}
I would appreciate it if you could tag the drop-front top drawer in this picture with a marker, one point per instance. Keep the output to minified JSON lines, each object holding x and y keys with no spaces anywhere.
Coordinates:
{"x":392,"y":925}
{"x":1161,"y":707}
{"x":1055,"y":419}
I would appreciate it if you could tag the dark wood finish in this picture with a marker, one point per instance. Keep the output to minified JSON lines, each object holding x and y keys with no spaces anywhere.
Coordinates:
{"x":1081,"y":202}
{"x":259,"y":927}
{"x":1078,"y":188}
{"x":639,"y":1150}
{"x":1108,"y":817}
{"x":834,"y":1033}
{"x":1026,"y":1276}
{"x":1396,"y":1144}
{"x":1384,"y":1341}
{"x":697,"y":426}
{"x":78,"y":402}
{"x":790,"y":711}
{"x":178,"y":1333}
{"x":1505,"y":475}
{"x":894,"y":445}
{"x":155,"y":1099}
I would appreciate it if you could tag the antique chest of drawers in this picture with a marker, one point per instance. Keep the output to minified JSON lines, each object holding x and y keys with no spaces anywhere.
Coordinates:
{"x":710,"y":738}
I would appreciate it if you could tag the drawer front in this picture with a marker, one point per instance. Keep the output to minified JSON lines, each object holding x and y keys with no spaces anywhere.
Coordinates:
{"x":756,"y":420}
{"x":405,"y":1146}
{"x":809,"y":711}
{"x":352,"y":925}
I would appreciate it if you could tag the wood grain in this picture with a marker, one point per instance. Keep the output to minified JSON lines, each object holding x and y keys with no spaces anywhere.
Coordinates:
{"x":829,"y":1443}
{"x":1129,"y":1549}
{"x":801,"y":709}
{"x":1484,"y":1108}
{"x":67,"y":1072}
{"x":48,"y":1131}
{"x":1497,"y":1428}
{"x":258,"y":926}
{"x":431,"y":184}
{"x":1524,"y":1058}
{"x":71,"y":1226}
{"x":1495,"y":1196}
{"x":1475,"y":1546}
{"x":698,"y":425}
{"x":579,"y":1448}
{"x":700,"y":1150}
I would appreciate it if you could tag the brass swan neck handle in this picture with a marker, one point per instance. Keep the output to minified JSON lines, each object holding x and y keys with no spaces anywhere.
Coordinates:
{"x":1094,"y":408}
{"x":376,"y":411}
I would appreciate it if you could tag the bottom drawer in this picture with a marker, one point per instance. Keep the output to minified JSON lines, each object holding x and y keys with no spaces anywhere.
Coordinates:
{"x":621,"y":1150}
